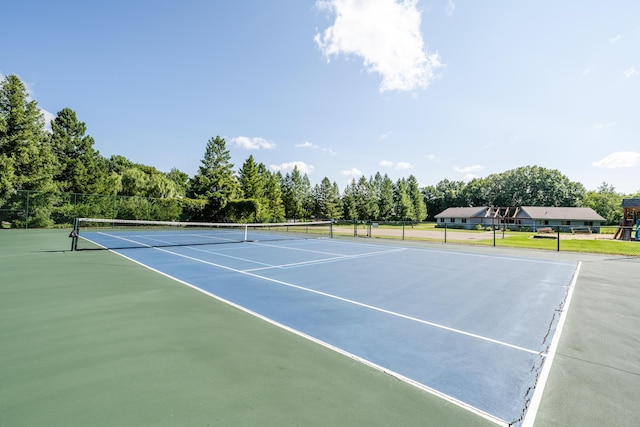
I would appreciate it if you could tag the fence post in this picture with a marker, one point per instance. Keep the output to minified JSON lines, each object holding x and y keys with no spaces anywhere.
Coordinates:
{"x":558,"y":239}
{"x":26,"y":214}
{"x":445,"y":232}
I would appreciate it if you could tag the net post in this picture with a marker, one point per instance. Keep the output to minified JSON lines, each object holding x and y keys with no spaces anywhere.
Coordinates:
{"x":74,"y":235}
{"x":246,"y":232}
{"x":331,"y":229}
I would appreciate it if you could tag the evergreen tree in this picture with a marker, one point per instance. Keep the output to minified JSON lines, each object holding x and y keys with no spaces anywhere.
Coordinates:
{"x":82,"y":169}
{"x":326,"y":200}
{"x":417,"y":200}
{"x":6,"y":177}
{"x":403,"y":207}
{"x":27,"y":161}
{"x":385,"y":200}
{"x":118,"y":164}
{"x":306,"y":196}
{"x":365,"y":200}
{"x":215,"y":180}
{"x":296,"y":192}
{"x":349,"y":204}
{"x":24,"y":140}
{"x":250,"y":180}
{"x":273,"y":194}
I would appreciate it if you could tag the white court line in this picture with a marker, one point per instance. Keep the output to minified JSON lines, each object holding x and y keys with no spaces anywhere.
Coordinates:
{"x":534,"y":405}
{"x":296,"y":248}
{"x":267,"y":266}
{"x":325,"y":260}
{"x":360,"y":304}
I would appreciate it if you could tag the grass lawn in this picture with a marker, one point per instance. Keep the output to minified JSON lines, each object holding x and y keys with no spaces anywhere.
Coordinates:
{"x":602,"y":243}
{"x":527,"y":240}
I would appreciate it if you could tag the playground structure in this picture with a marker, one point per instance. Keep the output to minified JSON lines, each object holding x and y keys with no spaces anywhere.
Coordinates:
{"x":630,"y":217}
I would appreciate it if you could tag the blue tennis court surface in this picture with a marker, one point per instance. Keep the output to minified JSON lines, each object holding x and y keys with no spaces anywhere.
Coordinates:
{"x":472,"y":328}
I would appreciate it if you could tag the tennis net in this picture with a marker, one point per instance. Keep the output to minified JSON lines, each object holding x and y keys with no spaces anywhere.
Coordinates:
{"x":95,"y":233}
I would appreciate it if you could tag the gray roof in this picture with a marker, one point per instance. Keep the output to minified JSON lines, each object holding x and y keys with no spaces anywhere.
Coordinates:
{"x":472,"y":212}
{"x":547,"y":212}
{"x":631,"y":203}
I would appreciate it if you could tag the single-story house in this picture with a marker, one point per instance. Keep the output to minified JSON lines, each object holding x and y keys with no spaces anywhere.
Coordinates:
{"x":468,"y":218}
{"x":570,"y":219}
{"x":531,"y":217}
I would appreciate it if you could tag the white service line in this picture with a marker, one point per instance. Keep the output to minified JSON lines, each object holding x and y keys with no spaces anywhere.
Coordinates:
{"x":325,"y":260}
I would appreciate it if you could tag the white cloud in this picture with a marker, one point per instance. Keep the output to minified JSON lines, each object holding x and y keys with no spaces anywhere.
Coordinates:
{"x":386,"y":35}
{"x":309,"y":145}
{"x":403,"y":166}
{"x":430,"y":156}
{"x":468,"y":169}
{"x":396,"y":166}
{"x":351,"y":172}
{"x":288,"y":167}
{"x":48,"y":118}
{"x":619,"y":159}
{"x":631,"y":71}
{"x":306,"y":144}
{"x":615,"y":39}
{"x":254,"y":143}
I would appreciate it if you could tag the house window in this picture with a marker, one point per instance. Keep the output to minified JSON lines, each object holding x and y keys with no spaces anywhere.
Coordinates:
{"x":452,"y":220}
{"x":566,"y":222}
{"x":464,"y":220}
{"x":588,"y":223}
{"x":441,"y":219}
{"x":545,"y":222}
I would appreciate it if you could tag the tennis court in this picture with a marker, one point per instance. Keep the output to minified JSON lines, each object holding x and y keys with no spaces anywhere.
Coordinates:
{"x":454,"y":324}
{"x":90,"y":338}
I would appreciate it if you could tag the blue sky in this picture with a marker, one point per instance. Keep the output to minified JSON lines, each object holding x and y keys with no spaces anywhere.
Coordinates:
{"x":441,"y":89}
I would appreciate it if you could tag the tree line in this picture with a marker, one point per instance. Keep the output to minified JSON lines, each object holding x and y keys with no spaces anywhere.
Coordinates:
{"x":49,"y":164}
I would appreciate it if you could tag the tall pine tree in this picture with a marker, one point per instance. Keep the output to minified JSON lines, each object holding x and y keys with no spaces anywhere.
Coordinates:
{"x":26,"y":158}
{"x":215,"y":180}
{"x":82,"y":169}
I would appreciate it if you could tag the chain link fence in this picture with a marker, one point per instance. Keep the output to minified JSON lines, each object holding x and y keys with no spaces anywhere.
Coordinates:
{"x":35,"y":209}
{"x":606,"y":239}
